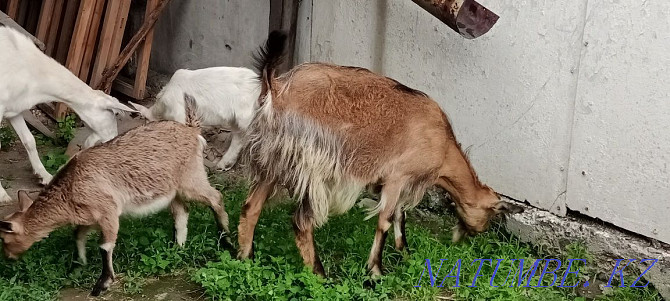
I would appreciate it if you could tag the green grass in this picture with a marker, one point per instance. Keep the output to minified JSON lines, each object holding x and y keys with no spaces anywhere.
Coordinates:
{"x":66,"y":130}
{"x":145,"y":248}
{"x":54,"y":159}
{"x":7,"y":137}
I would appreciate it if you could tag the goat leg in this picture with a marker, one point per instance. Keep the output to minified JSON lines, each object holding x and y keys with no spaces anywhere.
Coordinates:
{"x":109,"y":228}
{"x":303,"y":226}
{"x":19,"y":125}
{"x":390,"y":195}
{"x":399,"y":230}
{"x":251,"y":210}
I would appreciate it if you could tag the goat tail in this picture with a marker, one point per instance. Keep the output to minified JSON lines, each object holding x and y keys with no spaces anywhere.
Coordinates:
{"x":268,"y":59}
{"x":192,"y":118}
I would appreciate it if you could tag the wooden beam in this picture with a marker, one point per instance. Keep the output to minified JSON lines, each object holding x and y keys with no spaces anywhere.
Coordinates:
{"x":33,"y":16}
{"x":46,"y":14}
{"x":91,"y":39}
{"x":23,"y":12}
{"x":77,"y":44}
{"x":52,"y":39}
{"x":69,"y":17}
{"x":284,"y":16}
{"x":124,"y":85}
{"x":112,"y":71}
{"x":119,"y":30}
{"x":13,"y":9}
{"x":49,"y":108}
{"x":143,"y":56}
{"x":9,"y":22}
{"x":104,"y":46}
{"x":37,"y":124}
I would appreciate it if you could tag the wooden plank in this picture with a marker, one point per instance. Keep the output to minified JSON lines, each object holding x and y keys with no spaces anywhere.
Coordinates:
{"x":46,"y":14}
{"x":91,"y":39}
{"x":124,"y":85}
{"x":52,"y":39}
{"x":284,"y":16}
{"x":78,"y":43}
{"x":104,"y":46}
{"x":120,"y":28}
{"x":69,"y":17}
{"x":13,"y":9}
{"x":143,"y":55}
{"x":111,"y":72}
{"x":33,"y":16}
{"x":23,"y":12}
{"x":9,"y":22}
{"x":48,"y":108}
{"x":37,"y":124}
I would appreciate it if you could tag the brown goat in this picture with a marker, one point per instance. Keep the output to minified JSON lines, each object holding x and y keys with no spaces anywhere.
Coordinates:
{"x":145,"y":170}
{"x":325,"y":132}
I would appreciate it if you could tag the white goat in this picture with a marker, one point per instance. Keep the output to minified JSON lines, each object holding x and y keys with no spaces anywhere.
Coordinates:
{"x":29,"y":77}
{"x":226,"y":97}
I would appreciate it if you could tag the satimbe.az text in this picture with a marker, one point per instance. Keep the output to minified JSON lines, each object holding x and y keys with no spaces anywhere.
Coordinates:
{"x":515,"y":273}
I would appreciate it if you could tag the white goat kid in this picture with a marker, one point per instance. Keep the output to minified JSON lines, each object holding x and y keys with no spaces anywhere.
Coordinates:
{"x":29,"y":77}
{"x":226,"y":97}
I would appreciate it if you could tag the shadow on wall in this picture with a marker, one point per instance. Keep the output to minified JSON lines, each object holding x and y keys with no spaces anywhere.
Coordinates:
{"x":380,"y":41}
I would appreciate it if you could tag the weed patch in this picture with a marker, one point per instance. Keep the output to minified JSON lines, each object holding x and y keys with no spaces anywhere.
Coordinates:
{"x":54,"y":159}
{"x":145,"y":248}
{"x":66,"y":130}
{"x":7,"y":137}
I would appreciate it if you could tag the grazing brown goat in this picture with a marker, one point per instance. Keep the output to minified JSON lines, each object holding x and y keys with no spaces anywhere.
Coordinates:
{"x":145,"y":170}
{"x":326,"y":132}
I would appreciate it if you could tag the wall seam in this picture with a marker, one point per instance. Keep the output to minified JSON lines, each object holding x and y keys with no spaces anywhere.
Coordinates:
{"x":574,"y":104}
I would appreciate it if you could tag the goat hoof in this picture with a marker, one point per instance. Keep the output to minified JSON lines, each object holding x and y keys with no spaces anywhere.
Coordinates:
{"x":97,"y":290}
{"x":370,"y":283}
{"x":224,"y":168}
{"x":46,"y":179}
{"x":101,"y":285}
{"x":225,"y":165}
{"x":226,"y":244}
{"x":5,"y":199}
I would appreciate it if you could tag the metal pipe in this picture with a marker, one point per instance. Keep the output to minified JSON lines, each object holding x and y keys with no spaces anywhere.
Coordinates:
{"x":467,"y":17}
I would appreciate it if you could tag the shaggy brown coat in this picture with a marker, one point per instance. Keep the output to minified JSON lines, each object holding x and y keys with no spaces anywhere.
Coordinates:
{"x":326,"y":131}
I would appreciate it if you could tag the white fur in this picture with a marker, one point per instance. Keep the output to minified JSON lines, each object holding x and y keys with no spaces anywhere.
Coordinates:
{"x":29,"y":77}
{"x":127,"y":206}
{"x":81,"y":250}
{"x":181,"y":227}
{"x":109,"y":246}
{"x":226,"y":97}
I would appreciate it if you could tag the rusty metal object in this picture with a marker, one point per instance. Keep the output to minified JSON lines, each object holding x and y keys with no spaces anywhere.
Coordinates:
{"x":467,"y":17}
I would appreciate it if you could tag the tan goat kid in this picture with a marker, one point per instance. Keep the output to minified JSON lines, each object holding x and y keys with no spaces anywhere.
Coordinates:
{"x":145,"y":170}
{"x":326,"y":132}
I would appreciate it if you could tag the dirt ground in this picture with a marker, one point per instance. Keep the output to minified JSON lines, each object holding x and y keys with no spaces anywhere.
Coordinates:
{"x":16,"y":173}
{"x":168,"y":288}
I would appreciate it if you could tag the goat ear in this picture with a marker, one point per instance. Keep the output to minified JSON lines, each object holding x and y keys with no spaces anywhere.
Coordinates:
{"x":115,"y":106}
{"x":24,"y":201}
{"x":505,"y":207}
{"x":6,"y":227}
{"x":144,"y":111}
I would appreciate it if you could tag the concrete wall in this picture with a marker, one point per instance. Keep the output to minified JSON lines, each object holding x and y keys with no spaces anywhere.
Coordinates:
{"x":206,"y":33}
{"x":565,"y":103}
